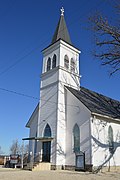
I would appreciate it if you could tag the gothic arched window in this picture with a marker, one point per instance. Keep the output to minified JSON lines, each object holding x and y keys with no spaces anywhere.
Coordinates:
{"x":48,"y":64}
{"x":54,"y":61}
{"x":76,"y":136}
{"x":72,"y":65}
{"x":66,"y":62}
{"x":110,"y":139}
{"x":47,"y":131}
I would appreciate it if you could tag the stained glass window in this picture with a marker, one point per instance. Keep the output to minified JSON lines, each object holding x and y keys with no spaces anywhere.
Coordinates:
{"x":110,"y":139}
{"x":76,"y":136}
{"x":47,"y":131}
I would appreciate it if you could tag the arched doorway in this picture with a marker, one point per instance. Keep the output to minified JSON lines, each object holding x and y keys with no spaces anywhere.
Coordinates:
{"x":46,"y":145}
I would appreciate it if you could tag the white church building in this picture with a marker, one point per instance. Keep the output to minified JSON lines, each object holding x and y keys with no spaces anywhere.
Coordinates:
{"x":72,"y":127}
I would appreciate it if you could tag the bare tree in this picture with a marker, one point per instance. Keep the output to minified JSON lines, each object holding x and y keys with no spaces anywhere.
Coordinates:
{"x":26,"y":148}
{"x":15,"y":147}
{"x":107,"y":39}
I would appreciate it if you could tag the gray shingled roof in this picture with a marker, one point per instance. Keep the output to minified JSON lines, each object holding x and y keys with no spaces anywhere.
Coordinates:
{"x":97,"y":103}
{"x":61,"y":32}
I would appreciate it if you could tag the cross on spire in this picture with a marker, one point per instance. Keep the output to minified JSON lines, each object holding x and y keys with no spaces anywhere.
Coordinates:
{"x":61,"y":31}
{"x":62,"y":11}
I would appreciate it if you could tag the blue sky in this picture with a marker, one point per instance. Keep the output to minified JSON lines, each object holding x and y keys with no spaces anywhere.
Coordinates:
{"x":27,"y":27}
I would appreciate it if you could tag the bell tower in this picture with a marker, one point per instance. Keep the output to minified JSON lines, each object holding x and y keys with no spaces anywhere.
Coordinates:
{"x":61,"y":55}
{"x":60,"y":69}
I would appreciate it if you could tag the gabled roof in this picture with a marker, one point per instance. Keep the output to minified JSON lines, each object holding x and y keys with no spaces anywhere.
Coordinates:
{"x":97,"y":103}
{"x":61,"y":31}
{"x":32,"y":116}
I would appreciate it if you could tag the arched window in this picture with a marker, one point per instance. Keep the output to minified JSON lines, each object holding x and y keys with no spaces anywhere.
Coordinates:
{"x":54,"y":61}
{"x":76,"y":136}
{"x":72,"y":65}
{"x":110,"y":139}
{"x":48,"y":64}
{"x":47,"y":131}
{"x":66,"y":62}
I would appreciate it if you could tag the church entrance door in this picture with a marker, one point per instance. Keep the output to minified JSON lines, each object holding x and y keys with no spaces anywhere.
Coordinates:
{"x":46,"y":151}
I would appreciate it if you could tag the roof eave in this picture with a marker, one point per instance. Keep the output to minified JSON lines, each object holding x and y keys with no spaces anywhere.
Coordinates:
{"x":63,"y":41}
{"x":44,"y":139}
{"x":107,"y":118}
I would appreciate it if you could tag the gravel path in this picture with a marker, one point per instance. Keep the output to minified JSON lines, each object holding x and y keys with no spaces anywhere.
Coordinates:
{"x":12,"y":174}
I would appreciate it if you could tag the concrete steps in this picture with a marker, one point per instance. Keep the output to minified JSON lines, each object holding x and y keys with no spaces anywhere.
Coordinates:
{"x":38,"y":166}
{"x":42,"y":166}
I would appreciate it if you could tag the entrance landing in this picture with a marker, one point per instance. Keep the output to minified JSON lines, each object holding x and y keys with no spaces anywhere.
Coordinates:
{"x":42,"y":166}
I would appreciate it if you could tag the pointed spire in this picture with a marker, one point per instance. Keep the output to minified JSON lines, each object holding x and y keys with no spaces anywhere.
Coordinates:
{"x":61,"y":31}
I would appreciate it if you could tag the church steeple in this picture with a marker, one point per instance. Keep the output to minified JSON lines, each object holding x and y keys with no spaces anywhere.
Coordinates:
{"x":61,"y":31}
{"x":61,"y":59}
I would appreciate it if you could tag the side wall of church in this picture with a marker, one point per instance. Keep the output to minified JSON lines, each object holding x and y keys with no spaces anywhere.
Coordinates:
{"x":33,"y":130}
{"x":100,"y":143}
{"x":48,"y":115}
{"x":77,"y":113}
{"x":66,"y":78}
